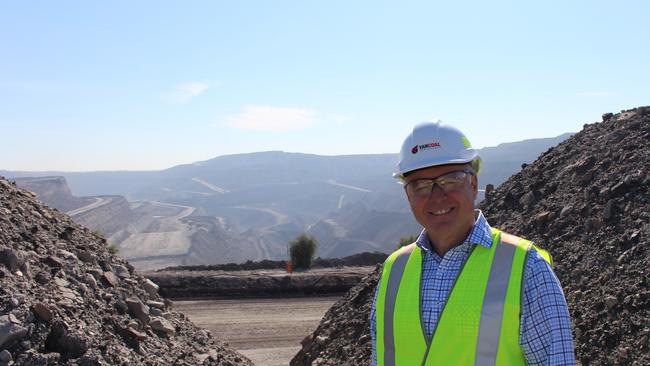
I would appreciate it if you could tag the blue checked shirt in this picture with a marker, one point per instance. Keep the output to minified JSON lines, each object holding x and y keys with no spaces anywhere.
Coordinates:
{"x":545,"y":334}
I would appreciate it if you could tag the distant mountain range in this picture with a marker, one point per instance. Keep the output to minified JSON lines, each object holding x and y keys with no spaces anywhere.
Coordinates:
{"x":248,"y":206}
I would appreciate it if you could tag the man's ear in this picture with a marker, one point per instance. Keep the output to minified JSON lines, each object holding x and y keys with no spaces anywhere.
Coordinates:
{"x":474,"y":185}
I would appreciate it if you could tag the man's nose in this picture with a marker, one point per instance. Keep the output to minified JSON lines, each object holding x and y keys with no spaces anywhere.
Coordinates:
{"x":437,"y":191}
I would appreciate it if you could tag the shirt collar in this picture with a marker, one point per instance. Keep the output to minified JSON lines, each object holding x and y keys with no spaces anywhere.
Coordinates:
{"x":481,"y":234}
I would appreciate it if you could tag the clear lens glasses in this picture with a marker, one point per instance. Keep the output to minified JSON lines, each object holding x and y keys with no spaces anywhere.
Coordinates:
{"x":449,"y":182}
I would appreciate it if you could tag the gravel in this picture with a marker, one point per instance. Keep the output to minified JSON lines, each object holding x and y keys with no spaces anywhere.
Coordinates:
{"x":65,"y":300}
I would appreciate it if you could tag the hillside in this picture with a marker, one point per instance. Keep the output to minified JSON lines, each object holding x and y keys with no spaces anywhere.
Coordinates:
{"x":65,"y":300}
{"x":243,"y":207}
{"x":588,"y":202}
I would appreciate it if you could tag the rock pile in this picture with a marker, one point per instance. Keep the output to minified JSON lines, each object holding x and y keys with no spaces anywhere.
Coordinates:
{"x":65,"y":300}
{"x":586,"y":200}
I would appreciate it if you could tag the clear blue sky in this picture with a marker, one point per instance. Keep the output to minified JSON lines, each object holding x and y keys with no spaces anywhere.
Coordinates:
{"x":126,"y":85}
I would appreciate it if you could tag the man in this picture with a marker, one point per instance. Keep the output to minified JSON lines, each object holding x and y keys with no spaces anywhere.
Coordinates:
{"x":463,"y":293}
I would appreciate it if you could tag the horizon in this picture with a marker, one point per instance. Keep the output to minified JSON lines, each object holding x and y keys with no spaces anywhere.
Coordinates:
{"x":250,"y":153}
{"x":181,"y":83}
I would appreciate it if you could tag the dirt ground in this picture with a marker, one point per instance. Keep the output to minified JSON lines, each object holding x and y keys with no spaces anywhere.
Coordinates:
{"x":267,"y":330}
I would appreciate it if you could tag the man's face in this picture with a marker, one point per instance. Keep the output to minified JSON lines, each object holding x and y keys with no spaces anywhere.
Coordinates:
{"x":447,"y":217}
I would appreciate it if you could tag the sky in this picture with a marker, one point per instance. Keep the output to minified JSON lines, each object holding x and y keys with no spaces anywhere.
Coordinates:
{"x":146,"y":85}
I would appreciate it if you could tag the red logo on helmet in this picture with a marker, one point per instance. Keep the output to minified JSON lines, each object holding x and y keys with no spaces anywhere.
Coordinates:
{"x":414,"y":150}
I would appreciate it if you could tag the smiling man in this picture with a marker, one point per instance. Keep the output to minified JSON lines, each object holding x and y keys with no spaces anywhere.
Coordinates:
{"x":464,"y":293}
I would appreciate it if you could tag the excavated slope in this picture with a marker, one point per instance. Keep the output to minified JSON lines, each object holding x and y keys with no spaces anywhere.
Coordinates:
{"x":587,"y":201}
{"x":65,"y":300}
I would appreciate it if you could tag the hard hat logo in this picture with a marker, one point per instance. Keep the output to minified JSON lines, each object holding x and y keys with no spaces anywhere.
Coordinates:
{"x":432,"y":144}
{"x":429,"y":145}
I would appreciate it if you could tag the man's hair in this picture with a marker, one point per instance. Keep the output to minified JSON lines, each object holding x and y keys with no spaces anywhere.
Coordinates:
{"x":476,"y":165}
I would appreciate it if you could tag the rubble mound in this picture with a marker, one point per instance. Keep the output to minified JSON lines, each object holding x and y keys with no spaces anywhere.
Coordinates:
{"x":65,"y":300}
{"x":587,"y":201}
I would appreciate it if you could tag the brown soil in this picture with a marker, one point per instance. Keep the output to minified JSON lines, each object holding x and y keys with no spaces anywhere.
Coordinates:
{"x":267,"y":330}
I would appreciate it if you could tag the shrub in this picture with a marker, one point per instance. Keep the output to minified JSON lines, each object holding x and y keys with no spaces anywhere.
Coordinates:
{"x":406,"y":240}
{"x":302,"y":250}
{"x":112,"y":248}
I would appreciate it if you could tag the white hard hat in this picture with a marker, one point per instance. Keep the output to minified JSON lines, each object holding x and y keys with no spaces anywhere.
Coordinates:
{"x":432,"y":144}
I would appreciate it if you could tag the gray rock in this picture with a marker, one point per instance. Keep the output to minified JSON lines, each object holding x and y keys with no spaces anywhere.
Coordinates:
{"x":43,"y":311}
{"x":121,"y":271}
{"x":162,"y":325}
{"x":138,"y":310}
{"x":608,"y":212}
{"x":111,"y":279}
{"x":68,"y":255}
{"x":121,"y":307}
{"x":9,"y":331}
{"x":63,"y":341}
{"x":55,"y":262}
{"x":85,"y":256}
{"x":150,"y":287}
{"x":566,"y":210}
{"x":97,"y":273}
{"x":156,"y":304}
{"x":33,"y":357}
{"x":607,"y":116}
{"x":528,"y":199}
{"x":543,"y":217}
{"x":83,"y":289}
{"x":90,"y":280}
{"x":5,"y":356}
{"x":489,"y":189}
{"x":91,"y":358}
{"x":62,"y":282}
{"x":11,"y":259}
{"x":137,"y":335}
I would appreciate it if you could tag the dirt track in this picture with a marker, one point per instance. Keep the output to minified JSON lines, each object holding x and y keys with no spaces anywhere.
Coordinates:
{"x":268,"y":331}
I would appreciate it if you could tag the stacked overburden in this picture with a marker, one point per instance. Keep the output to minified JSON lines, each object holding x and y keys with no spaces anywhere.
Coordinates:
{"x":65,"y":300}
{"x":588,"y":202}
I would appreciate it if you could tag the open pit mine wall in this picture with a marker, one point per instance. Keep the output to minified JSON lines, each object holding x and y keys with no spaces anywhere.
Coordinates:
{"x":219,"y":284}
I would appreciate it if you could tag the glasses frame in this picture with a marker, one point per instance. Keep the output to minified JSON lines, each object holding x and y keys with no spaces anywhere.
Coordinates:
{"x":435,"y":182}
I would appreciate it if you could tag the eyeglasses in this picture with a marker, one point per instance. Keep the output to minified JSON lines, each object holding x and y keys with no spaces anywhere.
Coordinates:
{"x":448,"y":182}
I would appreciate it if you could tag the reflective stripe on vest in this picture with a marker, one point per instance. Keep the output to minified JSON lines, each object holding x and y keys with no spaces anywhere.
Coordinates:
{"x":480,"y":321}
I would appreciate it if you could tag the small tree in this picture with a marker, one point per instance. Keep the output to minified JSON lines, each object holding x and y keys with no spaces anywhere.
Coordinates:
{"x":406,"y":240}
{"x":112,"y":248}
{"x":302,"y":250}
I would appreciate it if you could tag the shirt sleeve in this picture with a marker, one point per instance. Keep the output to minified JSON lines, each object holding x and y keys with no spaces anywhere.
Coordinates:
{"x":373,"y":327}
{"x":545,"y":337}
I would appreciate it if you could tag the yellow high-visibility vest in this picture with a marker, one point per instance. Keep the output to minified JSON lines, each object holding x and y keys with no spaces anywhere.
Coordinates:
{"x":480,"y":321}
